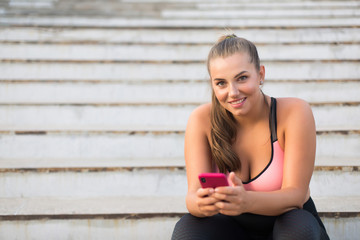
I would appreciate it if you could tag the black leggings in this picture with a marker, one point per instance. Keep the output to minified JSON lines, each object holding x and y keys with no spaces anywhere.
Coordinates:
{"x":297,"y":224}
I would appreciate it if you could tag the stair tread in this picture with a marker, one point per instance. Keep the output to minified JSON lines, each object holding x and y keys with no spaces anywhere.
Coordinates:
{"x":28,"y":163}
{"x":177,"y":23}
{"x":92,"y":163}
{"x":78,"y":144}
{"x":172,"y":36}
{"x":91,"y":52}
{"x":136,"y":205}
{"x":169,"y":71}
{"x":258,"y":13}
{"x":164,"y":93}
{"x":78,"y":128}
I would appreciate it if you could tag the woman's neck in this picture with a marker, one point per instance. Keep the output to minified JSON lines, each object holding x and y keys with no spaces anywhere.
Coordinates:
{"x":259,"y":112}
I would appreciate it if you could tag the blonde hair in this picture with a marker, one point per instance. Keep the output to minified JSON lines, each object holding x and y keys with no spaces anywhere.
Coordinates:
{"x":224,"y":128}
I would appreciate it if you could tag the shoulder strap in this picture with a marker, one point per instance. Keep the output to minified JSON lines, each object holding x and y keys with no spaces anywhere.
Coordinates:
{"x":273,"y":121}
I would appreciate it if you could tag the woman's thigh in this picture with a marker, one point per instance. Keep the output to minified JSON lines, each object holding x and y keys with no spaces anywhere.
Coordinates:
{"x":298,"y":224}
{"x":215,"y":227}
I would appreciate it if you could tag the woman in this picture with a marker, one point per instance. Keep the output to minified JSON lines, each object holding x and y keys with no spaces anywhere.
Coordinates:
{"x":266,"y":146}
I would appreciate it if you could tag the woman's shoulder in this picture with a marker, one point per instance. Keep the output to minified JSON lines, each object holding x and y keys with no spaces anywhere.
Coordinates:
{"x":294,"y":116}
{"x":201,"y":112}
{"x":200,"y":117}
{"x":291,"y":109}
{"x":292,"y":105}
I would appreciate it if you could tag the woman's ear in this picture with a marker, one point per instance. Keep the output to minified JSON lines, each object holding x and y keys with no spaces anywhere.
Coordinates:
{"x":262,"y":74}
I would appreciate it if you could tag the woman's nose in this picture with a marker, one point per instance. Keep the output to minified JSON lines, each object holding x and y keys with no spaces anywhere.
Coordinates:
{"x":233,"y":91}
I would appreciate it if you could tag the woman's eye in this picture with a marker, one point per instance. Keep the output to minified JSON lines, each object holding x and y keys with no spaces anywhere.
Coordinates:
{"x":242,"y":78}
{"x":220,"y":83}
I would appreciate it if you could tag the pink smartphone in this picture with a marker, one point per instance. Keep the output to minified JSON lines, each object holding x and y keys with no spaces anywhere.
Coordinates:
{"x":213,"y":180}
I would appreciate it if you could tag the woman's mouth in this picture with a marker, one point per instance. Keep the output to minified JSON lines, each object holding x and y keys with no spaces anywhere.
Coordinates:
{"x":238,"y":102}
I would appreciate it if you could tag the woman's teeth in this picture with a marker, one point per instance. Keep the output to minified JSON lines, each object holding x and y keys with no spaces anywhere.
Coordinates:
{"x":239,"y":101}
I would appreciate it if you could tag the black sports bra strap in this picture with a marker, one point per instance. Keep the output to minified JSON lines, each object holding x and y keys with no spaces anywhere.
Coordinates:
{"x":273,"y":121}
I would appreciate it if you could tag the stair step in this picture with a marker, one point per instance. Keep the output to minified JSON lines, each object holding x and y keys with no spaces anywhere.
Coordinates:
{"x":176,"y":36}
{"x":333,"y":182}
{"x":121,"y":164}
{"x":130,"y":118}
{"x":17,"y":208}
{"x":182,"y":71}
{"x":278,"y":4}
{"x":122,"y":205}
{"x":130,"y":218}
{"x":111,"y":182}
{"x":96,"y":183}
{"x":75,"y":52}
{"x":116,"y":164}
{"x":157,"y":144}
{"x":89,"y":8}
{"x":260,"y":13}
{"x":96,"y":228}
{"x":134,"y":8}
{"x":119,"y":93}
{"x":177,"y":23}
{"x":246,"y":2}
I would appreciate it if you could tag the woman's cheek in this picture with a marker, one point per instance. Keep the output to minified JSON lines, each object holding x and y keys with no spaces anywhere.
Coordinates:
{"x":249,"y":89}
{"x":221,"y":95}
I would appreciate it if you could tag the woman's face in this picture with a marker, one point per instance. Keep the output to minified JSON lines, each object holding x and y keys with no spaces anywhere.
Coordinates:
{"x":235,"y":82}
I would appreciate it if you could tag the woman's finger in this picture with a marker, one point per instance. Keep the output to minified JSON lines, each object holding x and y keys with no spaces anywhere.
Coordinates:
{"x":234,"y":180}
{"x":222,"y":205}
{"x":207,"y":201}
{"x":228,"y":208}
{"x":203,"y":192}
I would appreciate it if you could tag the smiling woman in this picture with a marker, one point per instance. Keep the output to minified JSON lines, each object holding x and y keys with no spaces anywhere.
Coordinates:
{"x":235,"y":83}
{"x":266,"y":146}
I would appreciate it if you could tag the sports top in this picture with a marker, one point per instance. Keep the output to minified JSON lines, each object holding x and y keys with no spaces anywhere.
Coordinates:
{"x":270,"y":179}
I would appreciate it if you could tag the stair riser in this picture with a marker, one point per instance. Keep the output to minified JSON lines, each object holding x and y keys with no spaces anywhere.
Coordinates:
{"x":170,"y":53}
{"x":273,"y":5}
{"x":251,"y":13}
{"x":193,"y":92}
{"x":142,"y":183}
{"x":155,"y":145}
{"x":343,"y":228}
{"x":94,"y":184}
{"x":335,"y":183}
{"x":38,"y":118}
{"x":184,"y":36}
{"x":133,"y":72}
{"x":179,"y":23}
{"x":156,"y":228}
{"x":92,"y":146}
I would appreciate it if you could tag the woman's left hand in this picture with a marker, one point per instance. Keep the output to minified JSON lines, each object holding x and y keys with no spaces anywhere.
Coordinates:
{"x":233,"y":199}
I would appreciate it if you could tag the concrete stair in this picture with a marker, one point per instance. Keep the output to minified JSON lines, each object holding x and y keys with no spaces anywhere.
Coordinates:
{"x":95,"y":96}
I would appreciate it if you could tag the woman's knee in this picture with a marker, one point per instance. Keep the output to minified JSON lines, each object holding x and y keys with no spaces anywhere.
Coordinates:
{"x":296,"y":224}
{"x":191,"y":227}
{"x":215,"y":227}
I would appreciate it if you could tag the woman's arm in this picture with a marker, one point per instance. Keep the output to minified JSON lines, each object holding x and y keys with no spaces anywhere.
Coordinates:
{"x":198,"y":160}
{"x":297,"y":127}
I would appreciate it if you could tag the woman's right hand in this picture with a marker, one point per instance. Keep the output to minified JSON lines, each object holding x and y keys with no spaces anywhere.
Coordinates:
{"x":205,"y":202}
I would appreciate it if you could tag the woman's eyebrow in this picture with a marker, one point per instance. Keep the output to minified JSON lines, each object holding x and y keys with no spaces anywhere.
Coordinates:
{"x":236,"y":76}
{"x":239,"y":74}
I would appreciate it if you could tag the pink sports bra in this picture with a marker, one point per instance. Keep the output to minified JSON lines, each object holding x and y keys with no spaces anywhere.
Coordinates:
{"x":270,"y":179}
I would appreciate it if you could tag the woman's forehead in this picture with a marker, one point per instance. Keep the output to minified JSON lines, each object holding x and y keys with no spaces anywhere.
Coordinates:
{"x":235,"y":62}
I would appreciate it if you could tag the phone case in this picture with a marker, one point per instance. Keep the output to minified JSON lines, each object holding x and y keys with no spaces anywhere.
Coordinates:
{"x":213,"y":180}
